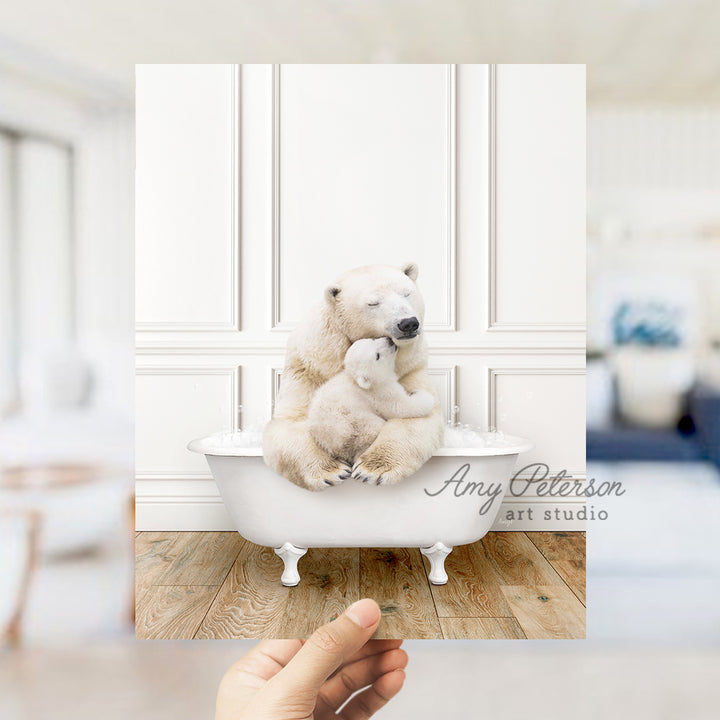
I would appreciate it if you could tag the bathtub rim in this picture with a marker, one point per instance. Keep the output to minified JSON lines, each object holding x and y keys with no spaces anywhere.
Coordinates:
{"x":520,"y":445}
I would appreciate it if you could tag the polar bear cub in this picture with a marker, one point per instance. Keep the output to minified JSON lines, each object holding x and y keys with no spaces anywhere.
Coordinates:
{"x":349,"y":410}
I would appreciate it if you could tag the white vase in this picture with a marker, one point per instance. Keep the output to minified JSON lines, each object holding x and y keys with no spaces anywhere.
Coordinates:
{"x":652,"y":383}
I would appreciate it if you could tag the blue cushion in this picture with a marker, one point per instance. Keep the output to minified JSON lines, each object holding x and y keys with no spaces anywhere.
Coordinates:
{"x":626,"y":443}
{"x":704,"y":406}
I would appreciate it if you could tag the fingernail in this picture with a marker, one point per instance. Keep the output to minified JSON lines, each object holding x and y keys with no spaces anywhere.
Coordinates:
{"x":364,"y":613}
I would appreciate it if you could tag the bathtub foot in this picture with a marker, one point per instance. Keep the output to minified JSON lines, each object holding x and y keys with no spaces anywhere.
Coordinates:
{"x":290,"y":556}
{"x":437,"y":554}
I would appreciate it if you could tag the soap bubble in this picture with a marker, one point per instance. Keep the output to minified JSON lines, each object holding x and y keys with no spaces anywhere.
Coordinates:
{"x":250,"y":437}
{"x":463,"y":435}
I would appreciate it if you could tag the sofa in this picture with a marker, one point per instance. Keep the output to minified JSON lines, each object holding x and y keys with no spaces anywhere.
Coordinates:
{"x":696,"y":437}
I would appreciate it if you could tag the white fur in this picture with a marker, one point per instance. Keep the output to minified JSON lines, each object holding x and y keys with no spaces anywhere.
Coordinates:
{"x":349,"y":411}
{"x":367,"y":302}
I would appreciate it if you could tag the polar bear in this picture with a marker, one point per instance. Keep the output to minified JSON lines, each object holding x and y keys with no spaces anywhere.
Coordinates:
{"x":367,"y":302}
{"x":348,"y":412}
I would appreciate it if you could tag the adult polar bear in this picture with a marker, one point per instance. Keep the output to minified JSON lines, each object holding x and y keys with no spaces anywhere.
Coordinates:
{"x":367,"y":302}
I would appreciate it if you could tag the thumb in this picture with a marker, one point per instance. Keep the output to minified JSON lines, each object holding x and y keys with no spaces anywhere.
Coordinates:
{"x":328,"y":648}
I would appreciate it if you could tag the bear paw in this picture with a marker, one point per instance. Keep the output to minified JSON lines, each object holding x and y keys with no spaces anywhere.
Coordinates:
{"x":371,"y":473}
{"x":424,"y":402}
{"x":329,"y":475}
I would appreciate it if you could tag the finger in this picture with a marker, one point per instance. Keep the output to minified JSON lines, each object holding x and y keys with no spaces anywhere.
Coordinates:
{"x":327,"y":649}
{"x":365,"y":704}
{"x":355,"y":676}
{"x":280,"y":651}
{"x":374,"y":647}
{"x":264,"y":661}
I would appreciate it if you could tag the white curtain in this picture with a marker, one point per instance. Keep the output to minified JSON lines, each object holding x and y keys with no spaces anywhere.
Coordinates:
{"x":37,"y":280}
{"x":7,"y":329}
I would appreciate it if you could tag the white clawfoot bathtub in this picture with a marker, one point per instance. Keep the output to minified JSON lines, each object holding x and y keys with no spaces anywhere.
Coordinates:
{"x":452,"y":500}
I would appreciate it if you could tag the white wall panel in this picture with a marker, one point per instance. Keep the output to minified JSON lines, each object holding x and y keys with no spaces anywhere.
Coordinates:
{"x":537,"y":247}
{"x":343,"y":166}
{"x":546,"y":405}
{"x":365,"y":158}
{"x":186,"y":197}
{"x":445,"y":383}
{"x":175,"y":405}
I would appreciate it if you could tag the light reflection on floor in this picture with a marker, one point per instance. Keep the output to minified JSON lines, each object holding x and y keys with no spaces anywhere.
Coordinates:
{"x":83,"y":597}
{"x":654,"y":564}
{"x":557,"y":680}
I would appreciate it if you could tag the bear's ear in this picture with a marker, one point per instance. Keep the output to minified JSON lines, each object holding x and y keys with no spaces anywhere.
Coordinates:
{"x":411,"y":270}
{"x":331,"y":294}
{"x":363,"y":381}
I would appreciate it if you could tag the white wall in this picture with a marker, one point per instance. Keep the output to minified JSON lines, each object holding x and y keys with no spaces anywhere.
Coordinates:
{"x":257,"y":185}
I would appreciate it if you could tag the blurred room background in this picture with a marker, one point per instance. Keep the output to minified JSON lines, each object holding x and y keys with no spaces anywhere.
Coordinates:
{"x":66,"y":320}
{"x":653,"y":368}
{"x":66,"y":345}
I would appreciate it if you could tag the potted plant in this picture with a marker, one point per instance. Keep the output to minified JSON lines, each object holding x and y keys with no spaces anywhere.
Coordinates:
{"x":654,"y":367}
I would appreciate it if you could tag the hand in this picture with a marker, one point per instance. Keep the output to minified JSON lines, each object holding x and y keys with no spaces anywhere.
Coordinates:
{"x":311,"y":680}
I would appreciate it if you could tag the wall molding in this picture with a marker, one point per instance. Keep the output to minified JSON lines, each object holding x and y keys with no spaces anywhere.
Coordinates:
{"x":491,"y":383}
{"x":449,"y":322}
{"x":484,"y":349}
{"x":494,"y":372}
{"x":178,"y":499}
{"x":212,"y":496}
{"x":493,"y":324}
{"x":233,"y":372}
{"x":254,"y":348}
{"x":274,"y":373}
{"x":502,"y":326}
{"x":177,"y":513}
{"x":234,"y":230}
{"x":276,"y":323}
{"x":449,"y":374}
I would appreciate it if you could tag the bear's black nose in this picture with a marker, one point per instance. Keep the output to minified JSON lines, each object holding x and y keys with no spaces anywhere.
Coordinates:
{"x":408,"y":326}
{"x":390,"y":341}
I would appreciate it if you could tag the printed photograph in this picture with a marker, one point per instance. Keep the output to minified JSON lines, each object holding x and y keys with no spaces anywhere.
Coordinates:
{"x":360,"y":307}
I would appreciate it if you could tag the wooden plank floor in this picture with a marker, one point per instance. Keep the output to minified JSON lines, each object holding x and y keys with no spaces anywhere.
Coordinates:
{"x":509,"y":585}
